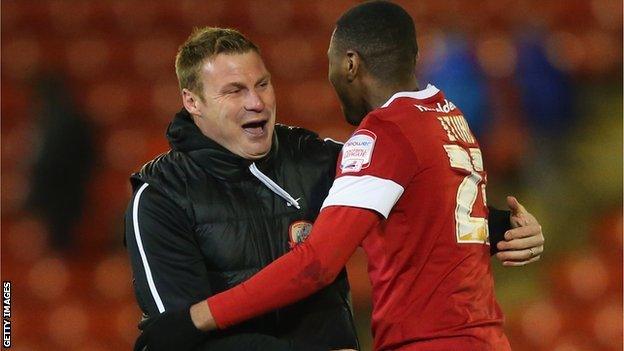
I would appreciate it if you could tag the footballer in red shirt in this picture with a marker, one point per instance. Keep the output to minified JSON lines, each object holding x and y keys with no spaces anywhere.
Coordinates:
{"x":410,"y":189}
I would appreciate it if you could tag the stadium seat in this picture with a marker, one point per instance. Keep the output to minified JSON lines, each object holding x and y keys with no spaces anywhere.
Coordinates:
{"x":49,"y":279}
{"x":88,"y":58}
{"x":106,"y":275}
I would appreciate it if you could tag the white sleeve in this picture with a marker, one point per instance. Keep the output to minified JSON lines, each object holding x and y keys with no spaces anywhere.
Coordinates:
{"x":366,"y":191}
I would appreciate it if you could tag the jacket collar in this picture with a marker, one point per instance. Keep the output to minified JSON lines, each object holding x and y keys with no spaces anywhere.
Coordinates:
{"x":184,"y":136}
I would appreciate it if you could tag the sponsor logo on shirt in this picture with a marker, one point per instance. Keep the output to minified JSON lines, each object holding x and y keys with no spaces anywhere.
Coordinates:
{"x":298,"y":232}
{"x":442,"y":108}
{"x":357,"y":151}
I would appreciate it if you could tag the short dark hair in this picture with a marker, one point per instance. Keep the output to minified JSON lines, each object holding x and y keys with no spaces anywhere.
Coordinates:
{"x":383,"y":34}
{"x":203,"y":44}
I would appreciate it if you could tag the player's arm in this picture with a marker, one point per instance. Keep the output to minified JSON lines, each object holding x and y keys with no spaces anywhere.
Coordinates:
{"x":337,"y":233}
{"x":376,"y":165}
{"x":168,"y":268}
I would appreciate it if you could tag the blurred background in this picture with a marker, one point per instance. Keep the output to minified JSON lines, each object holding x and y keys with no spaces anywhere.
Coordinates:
{"x":88,"y":88}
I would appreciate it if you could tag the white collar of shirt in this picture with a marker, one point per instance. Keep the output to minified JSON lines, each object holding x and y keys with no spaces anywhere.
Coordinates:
{"x":428,"y":92}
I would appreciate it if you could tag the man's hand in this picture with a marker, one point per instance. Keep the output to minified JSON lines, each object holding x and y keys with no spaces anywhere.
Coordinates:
{"x":525,"y":242}
{"x":171,"y":330}
{"x":201,"y":316}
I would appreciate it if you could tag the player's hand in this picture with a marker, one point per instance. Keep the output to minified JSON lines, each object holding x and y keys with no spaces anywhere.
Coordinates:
{"x":524,"y":243}
{"x":171,"y":330}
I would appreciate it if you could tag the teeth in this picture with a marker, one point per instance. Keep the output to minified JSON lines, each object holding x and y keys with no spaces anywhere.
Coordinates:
{"x":259,"y":124}
{"x":254,"y":131}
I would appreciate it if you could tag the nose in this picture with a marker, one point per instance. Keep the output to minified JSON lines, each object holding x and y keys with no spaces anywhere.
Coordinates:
{"x":254,"y":101}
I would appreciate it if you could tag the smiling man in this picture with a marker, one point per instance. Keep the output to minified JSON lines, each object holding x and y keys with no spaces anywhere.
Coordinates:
{"x":235,"y":193}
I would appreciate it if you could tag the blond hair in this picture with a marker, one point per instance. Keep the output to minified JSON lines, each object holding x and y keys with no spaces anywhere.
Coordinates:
{"x":204,"y":44}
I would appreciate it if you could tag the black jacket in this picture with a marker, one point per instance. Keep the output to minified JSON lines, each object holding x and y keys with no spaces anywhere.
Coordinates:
{"x":200,"y":222}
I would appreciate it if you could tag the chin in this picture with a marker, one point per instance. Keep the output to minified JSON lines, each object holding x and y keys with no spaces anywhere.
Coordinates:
{"x":257,"y":153}
{"x":354,"y":117}
{"x":353,"y":121}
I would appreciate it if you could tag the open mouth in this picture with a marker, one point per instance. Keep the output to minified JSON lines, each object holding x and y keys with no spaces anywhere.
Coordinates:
{"x":255,"y":128}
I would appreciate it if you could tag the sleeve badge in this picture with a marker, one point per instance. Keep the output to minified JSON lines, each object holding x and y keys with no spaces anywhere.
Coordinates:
{"x":357,"y":152}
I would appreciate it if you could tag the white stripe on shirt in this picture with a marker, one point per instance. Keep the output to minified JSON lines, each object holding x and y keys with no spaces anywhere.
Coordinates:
{"x":367,"y":191}
{"x":137,"y":236}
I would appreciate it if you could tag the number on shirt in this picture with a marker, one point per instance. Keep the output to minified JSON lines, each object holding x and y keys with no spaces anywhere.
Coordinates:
{"x":468,"y":229}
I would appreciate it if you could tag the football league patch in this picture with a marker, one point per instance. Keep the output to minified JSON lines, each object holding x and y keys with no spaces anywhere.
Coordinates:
{"x":298,"y":232}
{"x":357,"y":152}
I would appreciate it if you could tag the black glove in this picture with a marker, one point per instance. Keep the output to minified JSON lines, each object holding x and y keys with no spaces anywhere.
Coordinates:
{"x":498,"y":224}
{"x":169,"y":331}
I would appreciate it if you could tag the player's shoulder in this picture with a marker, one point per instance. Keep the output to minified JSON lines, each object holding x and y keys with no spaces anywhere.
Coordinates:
{"x":399,"y":112}
{"x":381,"y":122}
{"x":376,"y":132}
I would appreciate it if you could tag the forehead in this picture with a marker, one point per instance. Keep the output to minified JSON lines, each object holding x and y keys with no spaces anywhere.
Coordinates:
{"x":224,"y":68}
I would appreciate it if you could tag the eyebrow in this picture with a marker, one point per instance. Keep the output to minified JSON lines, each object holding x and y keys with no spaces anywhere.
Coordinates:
{"x":239,"y":85}
{"x":266,"y":77}
{"x":233,"y":85}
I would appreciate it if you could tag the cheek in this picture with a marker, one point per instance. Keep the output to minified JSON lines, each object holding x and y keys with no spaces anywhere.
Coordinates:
{"x":227,"y":120}
{"x":231,"y":109}
{"x":331,"y":76}
{"x":343,"y":94}
{"x":269,"y":96}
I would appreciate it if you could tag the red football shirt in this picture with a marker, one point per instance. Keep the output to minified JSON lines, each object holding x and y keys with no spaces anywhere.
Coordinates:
{"x":415,"y":162}
{"x":429,"y":262}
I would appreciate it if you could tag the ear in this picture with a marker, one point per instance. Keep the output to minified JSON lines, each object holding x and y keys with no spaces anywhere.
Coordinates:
{"x":353,"y":65}
{"x":190,"y":102}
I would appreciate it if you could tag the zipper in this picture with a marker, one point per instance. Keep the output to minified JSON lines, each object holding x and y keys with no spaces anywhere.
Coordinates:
{"x":263,"y":241}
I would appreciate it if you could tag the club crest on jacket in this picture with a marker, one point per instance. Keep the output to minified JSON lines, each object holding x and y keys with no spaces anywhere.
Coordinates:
{"x":298,"y":232}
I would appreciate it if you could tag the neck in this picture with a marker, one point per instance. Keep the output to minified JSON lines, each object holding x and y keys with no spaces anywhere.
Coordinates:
{"x":378,"y":93}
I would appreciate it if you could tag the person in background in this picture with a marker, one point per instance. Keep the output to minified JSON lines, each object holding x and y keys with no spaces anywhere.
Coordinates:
{"x":63,"y":163}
